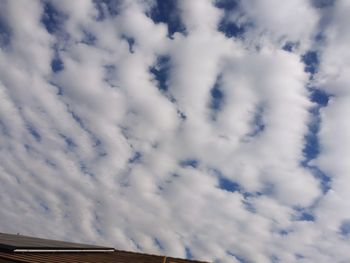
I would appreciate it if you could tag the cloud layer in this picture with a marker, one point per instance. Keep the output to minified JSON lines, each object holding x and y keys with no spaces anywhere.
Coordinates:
{"x":202,"y":129}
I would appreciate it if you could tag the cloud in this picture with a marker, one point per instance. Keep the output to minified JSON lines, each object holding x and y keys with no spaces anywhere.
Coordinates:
{"x":183,"y":132}
{"x":264,"y":23}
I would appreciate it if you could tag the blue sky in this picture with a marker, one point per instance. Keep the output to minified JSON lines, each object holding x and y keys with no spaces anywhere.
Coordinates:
{"x":209,"y":129}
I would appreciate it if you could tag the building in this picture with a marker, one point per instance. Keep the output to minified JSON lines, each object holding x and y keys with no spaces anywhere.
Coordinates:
{"x":24,"y":249}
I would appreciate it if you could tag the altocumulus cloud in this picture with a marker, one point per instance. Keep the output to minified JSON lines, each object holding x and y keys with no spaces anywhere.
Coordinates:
{"x":208,"y":129}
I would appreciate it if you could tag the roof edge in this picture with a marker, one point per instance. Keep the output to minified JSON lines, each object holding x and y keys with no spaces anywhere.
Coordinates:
{"x":20,"y":250}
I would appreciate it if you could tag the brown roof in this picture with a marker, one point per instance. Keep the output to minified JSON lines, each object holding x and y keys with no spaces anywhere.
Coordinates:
{"x":101,"y":257}
{"x":24,"y":249}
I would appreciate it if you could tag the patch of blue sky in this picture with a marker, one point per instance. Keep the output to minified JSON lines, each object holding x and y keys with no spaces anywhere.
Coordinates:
{"x":181,"y":115}
{"x":320,"y":97}
{"x":217,"y":99}
{"x":238,"y":257}
{"x":44,"y":207}
{"x":98,"y":225}
{"x":77,"y":119}
{"x":99,"y":230}
{"x":85,"y":169}
{"x":131,"y":43}
{"x":228,"y":185}
{"x":320,"y":36}
{"x":52,"y":19}
{"x":284,"y":232}
{"x":290,"y":46}
{"x":166,"y":11}
{"x":311,"y":62}
{"x":109,"y":68}
{"x":88,"y":38}
{"x":231,"y":29}
{"x":274,"y":259}
{"x":50,"y":163}
{"x":109,"y":75}
{"x":138,"y":246}
{"x":101,"y":10}
{"x":324,"y":179}
{"x":158,"y":243}
{"x":29,"y":148}
{"x":227,"y":5}
{"x":312,"y":146}
{"x":96,"y":142}
{"x":232,"y":186}
{"x":269,"y":189}
{"x":57,"y":64}
{"x":344,"y":229}
{"x":189,"y":254}
{"x":193,"y":163}
{"x":3,"y":129}
{"x":303,"y":214}
{"x":58,"y":88}
{"x":306,"y":217}
{"x":107,"y":8}
{"x":227,"y":25}
{"x":68,"y":141}
{"x":248,"y":205}
{"x":299,"y":256}
{"x":323,"y":3}
{"x":34,"y":132}
{"x":258,"y":125}
{"x":53,"y":22}
{"x":136,"y":158}
{"x":160,"y":71}
{"x":98,"y":145}
{"x":5,"y":34}
{"x":125,"y":131}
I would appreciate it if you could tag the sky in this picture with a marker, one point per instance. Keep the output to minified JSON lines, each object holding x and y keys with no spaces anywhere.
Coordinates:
{"x":203,"y":129}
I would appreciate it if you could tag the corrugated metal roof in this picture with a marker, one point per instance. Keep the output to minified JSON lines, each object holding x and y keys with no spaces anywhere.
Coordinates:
{"x":23,"y":249}
{"x":112,"y":257}
{"x":19,"y":242}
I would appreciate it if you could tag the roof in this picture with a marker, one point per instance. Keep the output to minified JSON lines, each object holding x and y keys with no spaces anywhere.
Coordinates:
{"x":25,"y":249}
{"x":20,"y":243}
{"x":112,"y":257}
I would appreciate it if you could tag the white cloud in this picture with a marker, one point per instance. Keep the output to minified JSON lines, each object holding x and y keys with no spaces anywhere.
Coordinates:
{"x":334,"y":131}
{"x":97,"y":149}
{"x":275,"y":22}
